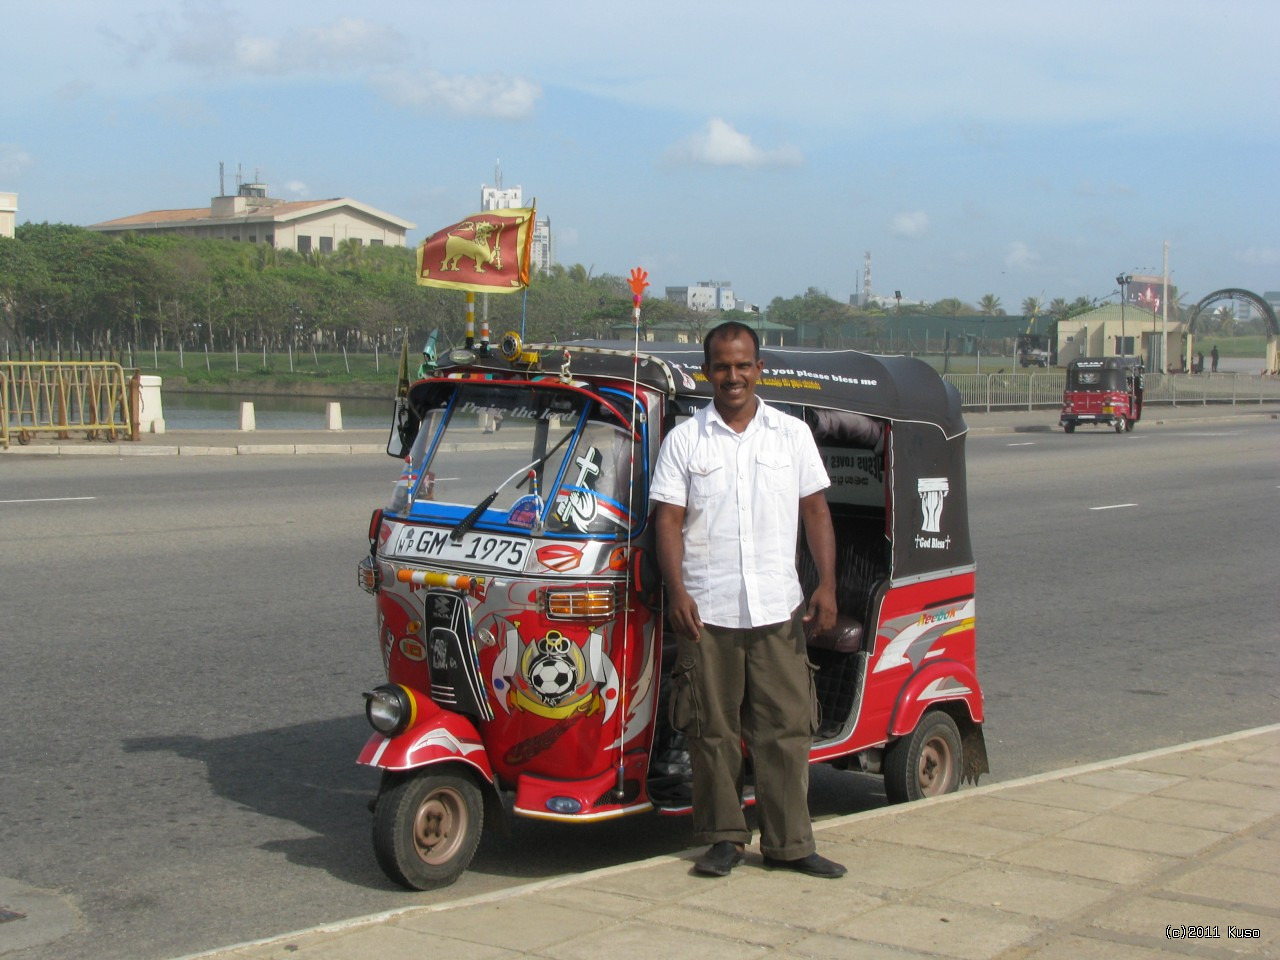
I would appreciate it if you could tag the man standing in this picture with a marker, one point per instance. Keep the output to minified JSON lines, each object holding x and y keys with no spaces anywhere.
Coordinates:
{"x":731,"y":485}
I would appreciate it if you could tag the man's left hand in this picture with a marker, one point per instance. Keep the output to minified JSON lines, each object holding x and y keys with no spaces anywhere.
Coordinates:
{"x":820,"y":615}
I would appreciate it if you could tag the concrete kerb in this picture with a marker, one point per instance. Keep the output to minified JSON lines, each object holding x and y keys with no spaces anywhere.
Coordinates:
{"x":550,"y":883}
{"x":357,"y":442}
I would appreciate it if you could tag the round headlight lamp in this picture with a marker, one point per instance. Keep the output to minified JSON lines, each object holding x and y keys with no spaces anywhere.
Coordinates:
{"x":389,"y":709}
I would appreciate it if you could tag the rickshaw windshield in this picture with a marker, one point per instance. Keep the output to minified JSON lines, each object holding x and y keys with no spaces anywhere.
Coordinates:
{"x":559,"y":460}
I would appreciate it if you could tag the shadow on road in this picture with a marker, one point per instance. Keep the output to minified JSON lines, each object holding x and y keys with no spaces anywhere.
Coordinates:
{"x":306,"y":774}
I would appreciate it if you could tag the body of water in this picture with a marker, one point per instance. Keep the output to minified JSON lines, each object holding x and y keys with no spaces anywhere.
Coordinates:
{"x":213,"y":411}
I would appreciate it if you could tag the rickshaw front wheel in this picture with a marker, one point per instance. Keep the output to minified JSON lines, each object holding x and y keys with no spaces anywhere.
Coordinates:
{"x":426,"y":828}
{"x":1120,"y":425}
{"x":926,"y":762}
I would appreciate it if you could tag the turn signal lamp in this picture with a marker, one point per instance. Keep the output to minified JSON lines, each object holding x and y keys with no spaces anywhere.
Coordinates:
{"x":596,"y":603}
{"x":368,"y":576}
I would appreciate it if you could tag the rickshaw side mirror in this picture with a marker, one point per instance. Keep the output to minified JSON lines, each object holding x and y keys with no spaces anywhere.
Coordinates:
{"x":404,"y":430}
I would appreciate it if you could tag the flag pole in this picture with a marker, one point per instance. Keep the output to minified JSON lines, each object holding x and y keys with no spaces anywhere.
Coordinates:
{"x":638,"y":281}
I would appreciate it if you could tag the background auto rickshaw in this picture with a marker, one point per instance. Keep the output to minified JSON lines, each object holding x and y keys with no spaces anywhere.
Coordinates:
{"x":520,"y":613}
{"x":1104,"y":391}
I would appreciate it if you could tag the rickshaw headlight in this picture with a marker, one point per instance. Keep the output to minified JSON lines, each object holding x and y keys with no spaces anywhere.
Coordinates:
{"x":389,"y":709}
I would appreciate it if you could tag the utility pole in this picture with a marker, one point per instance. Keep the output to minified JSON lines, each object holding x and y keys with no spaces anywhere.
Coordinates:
{"x":1164,"y":312}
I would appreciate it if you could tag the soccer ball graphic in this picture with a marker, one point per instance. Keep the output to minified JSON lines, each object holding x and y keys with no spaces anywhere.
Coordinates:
{"x":552,"y":678}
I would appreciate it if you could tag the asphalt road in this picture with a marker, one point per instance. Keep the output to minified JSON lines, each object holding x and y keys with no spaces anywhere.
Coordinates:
{"x":185,"y":647}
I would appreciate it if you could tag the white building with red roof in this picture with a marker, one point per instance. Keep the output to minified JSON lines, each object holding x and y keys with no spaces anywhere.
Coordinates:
{"x":250,"y":216}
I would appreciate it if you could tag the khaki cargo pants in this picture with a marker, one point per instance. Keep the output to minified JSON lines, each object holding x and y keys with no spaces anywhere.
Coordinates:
{"x":752,"y":685}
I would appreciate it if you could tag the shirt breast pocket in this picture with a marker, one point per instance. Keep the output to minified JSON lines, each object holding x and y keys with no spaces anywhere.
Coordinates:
{"x":775,"y":472}
{"x":707,"y":480}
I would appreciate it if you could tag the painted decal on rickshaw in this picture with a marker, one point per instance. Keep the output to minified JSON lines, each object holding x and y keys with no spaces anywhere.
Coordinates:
{"x":933,"y":491}
{"x":553,"y":676}
{"x":525,"y":512}
{"x":443,"y":740}
{"x":530,"y":747}
{"x":944,"y":688}
{"x":911,"y":637}
{"x":559,"y":556}
{"x":411,"y":648}
{"x":578,"y":506}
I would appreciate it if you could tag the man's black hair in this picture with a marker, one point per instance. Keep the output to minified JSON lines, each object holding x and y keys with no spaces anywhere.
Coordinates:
{"x":730,"y":330}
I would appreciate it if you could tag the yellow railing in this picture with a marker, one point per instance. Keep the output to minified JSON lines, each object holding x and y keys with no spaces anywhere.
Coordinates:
{"x":58,"y":398}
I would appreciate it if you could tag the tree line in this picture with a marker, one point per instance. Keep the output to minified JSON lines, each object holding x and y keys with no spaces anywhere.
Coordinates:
{"x":66,"y":287}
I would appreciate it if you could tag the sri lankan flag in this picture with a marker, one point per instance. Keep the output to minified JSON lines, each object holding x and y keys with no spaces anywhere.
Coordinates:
{"x":487,"y":253}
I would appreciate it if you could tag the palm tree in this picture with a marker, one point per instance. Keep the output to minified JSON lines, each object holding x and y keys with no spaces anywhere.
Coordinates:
{"x":1226,"y":319}
{"x":989,"y":305}
{"x":1058,"y":306}
{"x":1031,"y":306}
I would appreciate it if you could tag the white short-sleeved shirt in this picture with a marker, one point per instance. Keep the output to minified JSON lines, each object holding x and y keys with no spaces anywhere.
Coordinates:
{"x":741,"y":494}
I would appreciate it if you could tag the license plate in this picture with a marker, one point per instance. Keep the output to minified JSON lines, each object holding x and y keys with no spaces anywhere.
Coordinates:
{"x":488,"y":549}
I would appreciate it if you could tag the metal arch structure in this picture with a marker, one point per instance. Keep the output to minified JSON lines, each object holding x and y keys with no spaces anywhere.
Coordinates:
{"x":1249,"y":297}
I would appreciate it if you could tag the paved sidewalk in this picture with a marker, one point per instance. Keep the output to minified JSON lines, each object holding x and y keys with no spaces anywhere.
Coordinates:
{"x":189,"y":443}
{"x":1175,"y":852}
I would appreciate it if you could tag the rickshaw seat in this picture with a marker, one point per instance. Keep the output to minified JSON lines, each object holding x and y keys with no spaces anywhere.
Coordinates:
{"x":844,"y":637}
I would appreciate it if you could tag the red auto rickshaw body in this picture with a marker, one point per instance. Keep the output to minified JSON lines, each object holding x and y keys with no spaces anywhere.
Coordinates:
{"x":1103,"y":391}
{"x":520,"y":614}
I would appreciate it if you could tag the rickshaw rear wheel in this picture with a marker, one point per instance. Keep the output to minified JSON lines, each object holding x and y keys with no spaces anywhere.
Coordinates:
{"x":1128,"y":426}
{"x":926,"y":762}
{"x":1069,"y":427}
{"x":426,"y":828}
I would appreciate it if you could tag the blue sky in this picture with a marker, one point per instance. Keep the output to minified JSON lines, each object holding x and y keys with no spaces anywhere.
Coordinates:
{"x":1020,"y":148}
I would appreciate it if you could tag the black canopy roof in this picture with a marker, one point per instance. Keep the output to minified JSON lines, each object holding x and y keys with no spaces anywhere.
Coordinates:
{"x":900,"y":389}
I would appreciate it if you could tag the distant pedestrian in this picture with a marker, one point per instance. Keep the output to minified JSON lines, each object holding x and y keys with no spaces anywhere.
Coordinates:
{"x":1213,"y":357}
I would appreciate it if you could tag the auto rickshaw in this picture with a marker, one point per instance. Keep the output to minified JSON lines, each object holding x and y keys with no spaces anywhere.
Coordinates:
{"x":1104,"y":391}
{"x":520,"y":612}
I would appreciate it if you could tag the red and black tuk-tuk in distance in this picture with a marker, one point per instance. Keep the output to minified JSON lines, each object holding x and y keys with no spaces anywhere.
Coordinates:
{"x":520,"y":611}
{"x":1103,"y":391}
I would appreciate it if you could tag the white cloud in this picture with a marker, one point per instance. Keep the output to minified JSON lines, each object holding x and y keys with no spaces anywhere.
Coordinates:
{"x":211,"y":37}
{"x":493,"y":95}
{"x":352,"y":38}
{"x":296,"y":188}
{"x":910,"y":226}
{"x":1020,"y":257}
{"x":13,"y":160}
{"x":718,"y":144}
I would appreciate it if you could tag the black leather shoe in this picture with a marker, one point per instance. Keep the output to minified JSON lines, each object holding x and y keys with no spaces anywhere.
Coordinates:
{"x":814,"y":865}
{"x":719,"y":859}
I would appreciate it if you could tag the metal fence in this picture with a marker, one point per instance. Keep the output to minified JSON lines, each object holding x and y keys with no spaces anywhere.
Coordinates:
{"x":1028,"y":391}
{"x":94,"y":397}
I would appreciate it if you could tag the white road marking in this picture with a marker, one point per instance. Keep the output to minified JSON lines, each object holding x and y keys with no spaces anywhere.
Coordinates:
{"x":1114,"y":506}
{"x":1025,"y":443}
{"x":48,"y":500}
